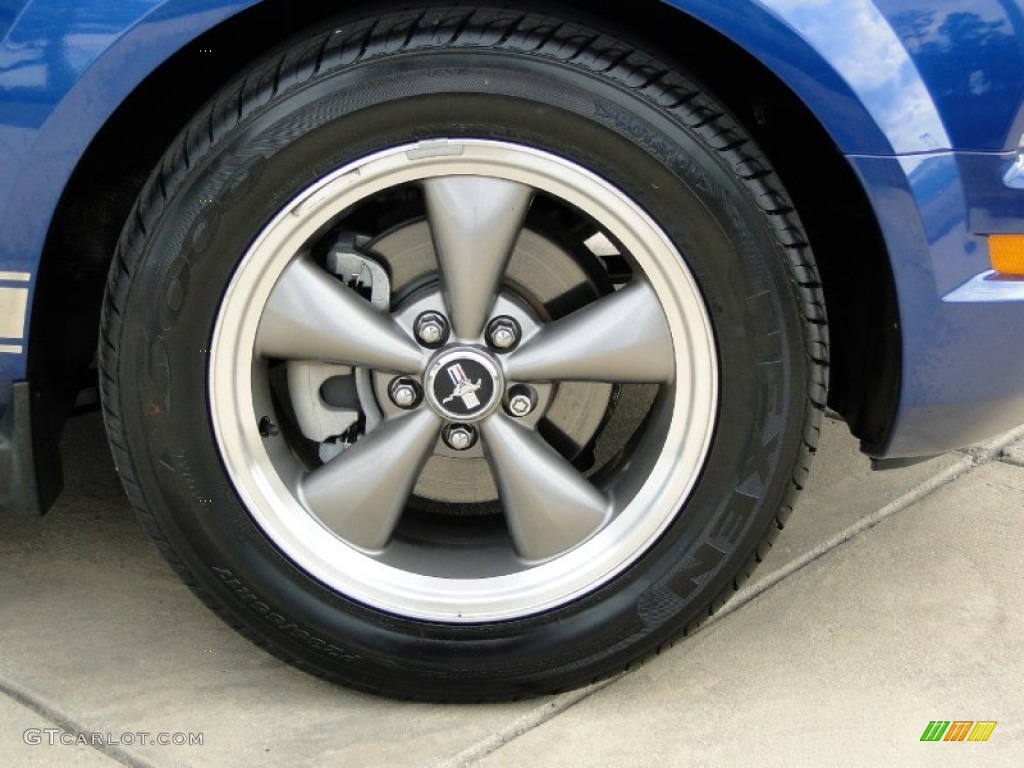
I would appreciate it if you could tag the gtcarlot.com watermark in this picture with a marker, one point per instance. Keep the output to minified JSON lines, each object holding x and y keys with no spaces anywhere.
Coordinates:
{"x":56,"y":736}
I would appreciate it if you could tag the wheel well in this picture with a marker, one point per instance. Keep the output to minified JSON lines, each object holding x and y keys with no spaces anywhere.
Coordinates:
{"x":102,"y":189}
{"x":853,"y":263}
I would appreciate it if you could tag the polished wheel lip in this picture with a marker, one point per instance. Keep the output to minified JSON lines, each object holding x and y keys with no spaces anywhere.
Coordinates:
{"x":357,"y":573}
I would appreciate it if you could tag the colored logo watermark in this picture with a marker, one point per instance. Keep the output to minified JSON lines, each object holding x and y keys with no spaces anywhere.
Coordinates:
{"x":958,"y":730}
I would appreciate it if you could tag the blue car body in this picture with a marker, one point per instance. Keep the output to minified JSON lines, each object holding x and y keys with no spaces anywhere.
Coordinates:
{"x":923,"y":100}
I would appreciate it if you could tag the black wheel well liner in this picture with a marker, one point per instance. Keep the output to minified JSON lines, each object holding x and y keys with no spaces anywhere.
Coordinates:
{"x":852,"y":259}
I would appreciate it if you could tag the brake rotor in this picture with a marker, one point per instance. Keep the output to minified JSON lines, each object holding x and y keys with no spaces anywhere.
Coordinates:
{"x":542,"y":275}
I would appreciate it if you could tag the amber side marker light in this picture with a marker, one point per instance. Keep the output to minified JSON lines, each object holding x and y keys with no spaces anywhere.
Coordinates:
{"x":1007,"y":254}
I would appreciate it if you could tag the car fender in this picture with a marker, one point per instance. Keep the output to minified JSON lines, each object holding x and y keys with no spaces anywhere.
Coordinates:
{"x":65,"y":67}
{"x":883,"y":75}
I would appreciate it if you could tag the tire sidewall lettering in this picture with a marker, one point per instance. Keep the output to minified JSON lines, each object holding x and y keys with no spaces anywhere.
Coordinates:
{"x":630,"y":141}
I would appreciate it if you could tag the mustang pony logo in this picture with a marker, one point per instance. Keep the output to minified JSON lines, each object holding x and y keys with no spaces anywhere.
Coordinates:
{"x":464,"y":388}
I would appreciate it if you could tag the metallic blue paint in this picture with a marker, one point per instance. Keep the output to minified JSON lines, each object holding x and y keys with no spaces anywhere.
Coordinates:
{"x":65,"y":66}
{"x":926,"y":99}
{"x":890,"y":76}
{"x":917,"y":79}
{"x":963,"y":361}
{"x":844,"y":61}
{"x":993,"y":186}
{"x":970,"y":53}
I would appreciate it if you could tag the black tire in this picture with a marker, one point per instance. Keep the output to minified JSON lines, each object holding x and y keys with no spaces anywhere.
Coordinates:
{"x":527,"y":80}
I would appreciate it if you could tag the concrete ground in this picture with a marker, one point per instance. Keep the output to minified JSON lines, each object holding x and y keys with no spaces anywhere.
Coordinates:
{"x":892,"y":599}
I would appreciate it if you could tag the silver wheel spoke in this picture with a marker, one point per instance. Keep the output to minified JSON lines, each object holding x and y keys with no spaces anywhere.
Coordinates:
{"x":622,"y":337}
{"x":548,"y":505}
{"x":368,"y":520}
{"x":475,"y":222}
{"x":312,"y":316}
{"x":360,"y":494}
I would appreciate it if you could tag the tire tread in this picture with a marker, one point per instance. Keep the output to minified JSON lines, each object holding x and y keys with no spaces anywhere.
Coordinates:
{"x":526,"y":34}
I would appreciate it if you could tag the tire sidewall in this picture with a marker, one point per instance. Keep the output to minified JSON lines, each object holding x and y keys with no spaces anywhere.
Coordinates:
{"x":238,"y":183}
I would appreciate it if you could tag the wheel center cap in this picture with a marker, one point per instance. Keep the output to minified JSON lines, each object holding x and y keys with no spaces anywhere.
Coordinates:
{"x":463,"y":384}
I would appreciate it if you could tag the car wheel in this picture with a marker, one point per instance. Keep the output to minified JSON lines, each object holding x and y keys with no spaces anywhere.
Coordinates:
{"x":463,"y":354}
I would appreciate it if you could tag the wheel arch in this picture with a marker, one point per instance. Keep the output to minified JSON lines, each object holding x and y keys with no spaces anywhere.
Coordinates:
{"x":99,"y":163}
{"x":711,"y":41}
{"x":114,"y":163}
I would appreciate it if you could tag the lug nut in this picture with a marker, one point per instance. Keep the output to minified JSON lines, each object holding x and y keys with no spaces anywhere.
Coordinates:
{"x":520,"y":405}
{"x":521,"y":400}
{"x":459,"y":437}
{"x":405,"y":393}
{"x":503,"y":333}
{"x":431,"y":329}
